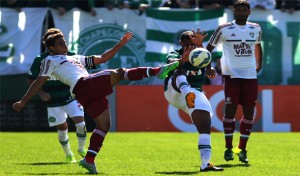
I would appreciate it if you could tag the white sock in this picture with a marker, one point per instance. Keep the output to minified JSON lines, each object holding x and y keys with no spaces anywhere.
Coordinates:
{"x":64,"y":142}
{"x":204,"y":147}
{"x":81,"y":135}
{"x":182,"y":84}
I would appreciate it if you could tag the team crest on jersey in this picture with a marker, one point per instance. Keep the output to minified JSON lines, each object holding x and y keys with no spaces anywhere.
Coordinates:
{"x":95,"y":40}
{"x":251,"y":34}
{"x":52,"y":119}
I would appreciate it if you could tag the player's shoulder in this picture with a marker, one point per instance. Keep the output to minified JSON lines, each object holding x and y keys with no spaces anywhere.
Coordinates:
{"x":71,"y":53}
{"x":226,"y":25}
{"x":253,"y":25}
{"x":41,"y":56}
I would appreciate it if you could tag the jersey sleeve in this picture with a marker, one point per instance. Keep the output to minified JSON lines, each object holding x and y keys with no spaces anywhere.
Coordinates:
{"x":34,"y":69}
{"x":47,"y":67}
{"x":259,"y":38}
{"x":88,"y":61}
{"x":216,"y":37}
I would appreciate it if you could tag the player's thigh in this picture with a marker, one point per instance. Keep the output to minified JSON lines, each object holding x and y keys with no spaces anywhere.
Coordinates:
{"x":173,"y":97}
{"x":232,"y":89}
{"x":249,"y":92}
{"x":56,"y":115}
{"x":74,"y":109}
{"x":201,"y":102}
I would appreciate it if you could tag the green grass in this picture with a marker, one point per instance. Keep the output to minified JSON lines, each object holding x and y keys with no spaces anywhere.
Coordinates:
{"x":141,"y":154}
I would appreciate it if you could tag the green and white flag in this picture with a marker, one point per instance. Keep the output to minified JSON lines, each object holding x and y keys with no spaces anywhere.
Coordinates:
{"x":164,"y":28}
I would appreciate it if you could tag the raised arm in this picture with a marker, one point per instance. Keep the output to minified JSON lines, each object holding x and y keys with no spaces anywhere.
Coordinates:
{"x":35,"y":87}
{"x":210,"y":71}
{"x":111,"y":52}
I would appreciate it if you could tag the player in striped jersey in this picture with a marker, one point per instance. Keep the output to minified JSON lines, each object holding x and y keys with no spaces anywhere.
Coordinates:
{"x":240,"y":63}
{"x":60,"y":104}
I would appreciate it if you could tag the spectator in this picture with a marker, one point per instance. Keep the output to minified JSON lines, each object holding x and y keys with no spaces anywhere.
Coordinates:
{"x":262,"y":4}
{"x":109,"y":4}
{"x":172,"y":4}
{"x":65,"y":5}
{"x":14,"y":4}
{"x":213,"y":4}
{"x":289,"y":6}
{"x":37,"y":3}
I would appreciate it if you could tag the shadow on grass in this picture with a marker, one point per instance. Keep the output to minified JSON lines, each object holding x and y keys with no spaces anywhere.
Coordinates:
{"x":55,"y":174}
{"x":233,"y":165}
{"x":43,"y":164}
{"x":177,"y":173}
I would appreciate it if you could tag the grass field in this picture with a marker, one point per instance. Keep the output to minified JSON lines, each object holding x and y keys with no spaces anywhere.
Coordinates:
{"x":141,"y":154}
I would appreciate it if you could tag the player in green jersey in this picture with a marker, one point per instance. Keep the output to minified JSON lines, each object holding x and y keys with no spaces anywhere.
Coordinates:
{"x":60,"y":104}
{"x":183,"y":90}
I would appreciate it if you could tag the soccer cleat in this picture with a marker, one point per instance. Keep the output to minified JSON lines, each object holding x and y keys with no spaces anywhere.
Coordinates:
{"x":88,"y":166}
{"x":165,"y":69}
{"x":228,"y":155}
{"x":242,"y":154}
{"x":211,"y":167}
{"x":70,"y":159}
{"x":190,"y":99}
{"x":83,"y":153}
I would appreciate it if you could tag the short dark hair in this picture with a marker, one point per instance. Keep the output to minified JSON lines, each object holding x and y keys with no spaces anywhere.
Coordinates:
{"x":244,"y":3}
{"x":50,"y":40}
{"x":50,"y":32}
{"x":185,"y":35}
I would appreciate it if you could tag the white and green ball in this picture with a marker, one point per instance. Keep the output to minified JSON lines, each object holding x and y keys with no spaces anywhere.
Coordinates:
{"x":200,"y":57}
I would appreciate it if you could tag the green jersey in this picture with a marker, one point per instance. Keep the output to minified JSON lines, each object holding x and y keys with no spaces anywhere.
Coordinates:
{"x":195,"y":76}
{"x":59,"y":92}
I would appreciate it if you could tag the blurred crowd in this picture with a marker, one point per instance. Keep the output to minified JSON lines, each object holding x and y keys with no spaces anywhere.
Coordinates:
{"x":63,"y":6}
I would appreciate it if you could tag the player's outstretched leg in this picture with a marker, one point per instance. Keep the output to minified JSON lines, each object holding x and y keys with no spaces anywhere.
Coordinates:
{"x":165,"y":69}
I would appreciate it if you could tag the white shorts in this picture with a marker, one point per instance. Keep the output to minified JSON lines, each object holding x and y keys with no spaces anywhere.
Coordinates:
{"x":178,"y":100}
{"x":58,"y":115}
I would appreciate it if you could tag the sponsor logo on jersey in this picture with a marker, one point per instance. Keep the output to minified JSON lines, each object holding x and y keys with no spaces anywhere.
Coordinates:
{"x":232,"y":35}
{"x":242,"y":49}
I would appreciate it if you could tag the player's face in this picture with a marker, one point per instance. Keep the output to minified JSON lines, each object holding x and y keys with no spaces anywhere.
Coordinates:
{"x":187,"y":43}
{"x":241,"y":13}
{"x":60,"y":46}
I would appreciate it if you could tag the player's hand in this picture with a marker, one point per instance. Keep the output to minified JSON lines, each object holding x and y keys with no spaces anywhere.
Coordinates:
{"x":18,"y":106}
{"x":127,"y":36}
{"x":186,"y":52}
{"x":198,"y":37}
{"x":44,"y":96}
{"x":211,"y":72}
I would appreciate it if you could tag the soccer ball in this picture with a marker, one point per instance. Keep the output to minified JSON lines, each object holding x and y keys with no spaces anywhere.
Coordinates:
{"x":199,"y":57}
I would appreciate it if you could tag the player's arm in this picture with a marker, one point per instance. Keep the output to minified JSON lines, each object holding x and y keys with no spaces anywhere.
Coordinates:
{"x":198,"y":38}
{"x":210,"y":71}
{"x":35,"y":87}
{"x":111,"y":52}
{"x":43,"y":95}
{"x":258,"y":56}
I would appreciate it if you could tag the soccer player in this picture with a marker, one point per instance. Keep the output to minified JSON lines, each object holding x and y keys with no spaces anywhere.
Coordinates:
{"x":240,"y":63}
{"x":91,"y":90}
{"x":183,"y":90}
{"x":60,"y":105}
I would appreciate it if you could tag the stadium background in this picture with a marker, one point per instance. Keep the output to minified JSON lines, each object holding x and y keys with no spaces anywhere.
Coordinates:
{"x":140,"y":106}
